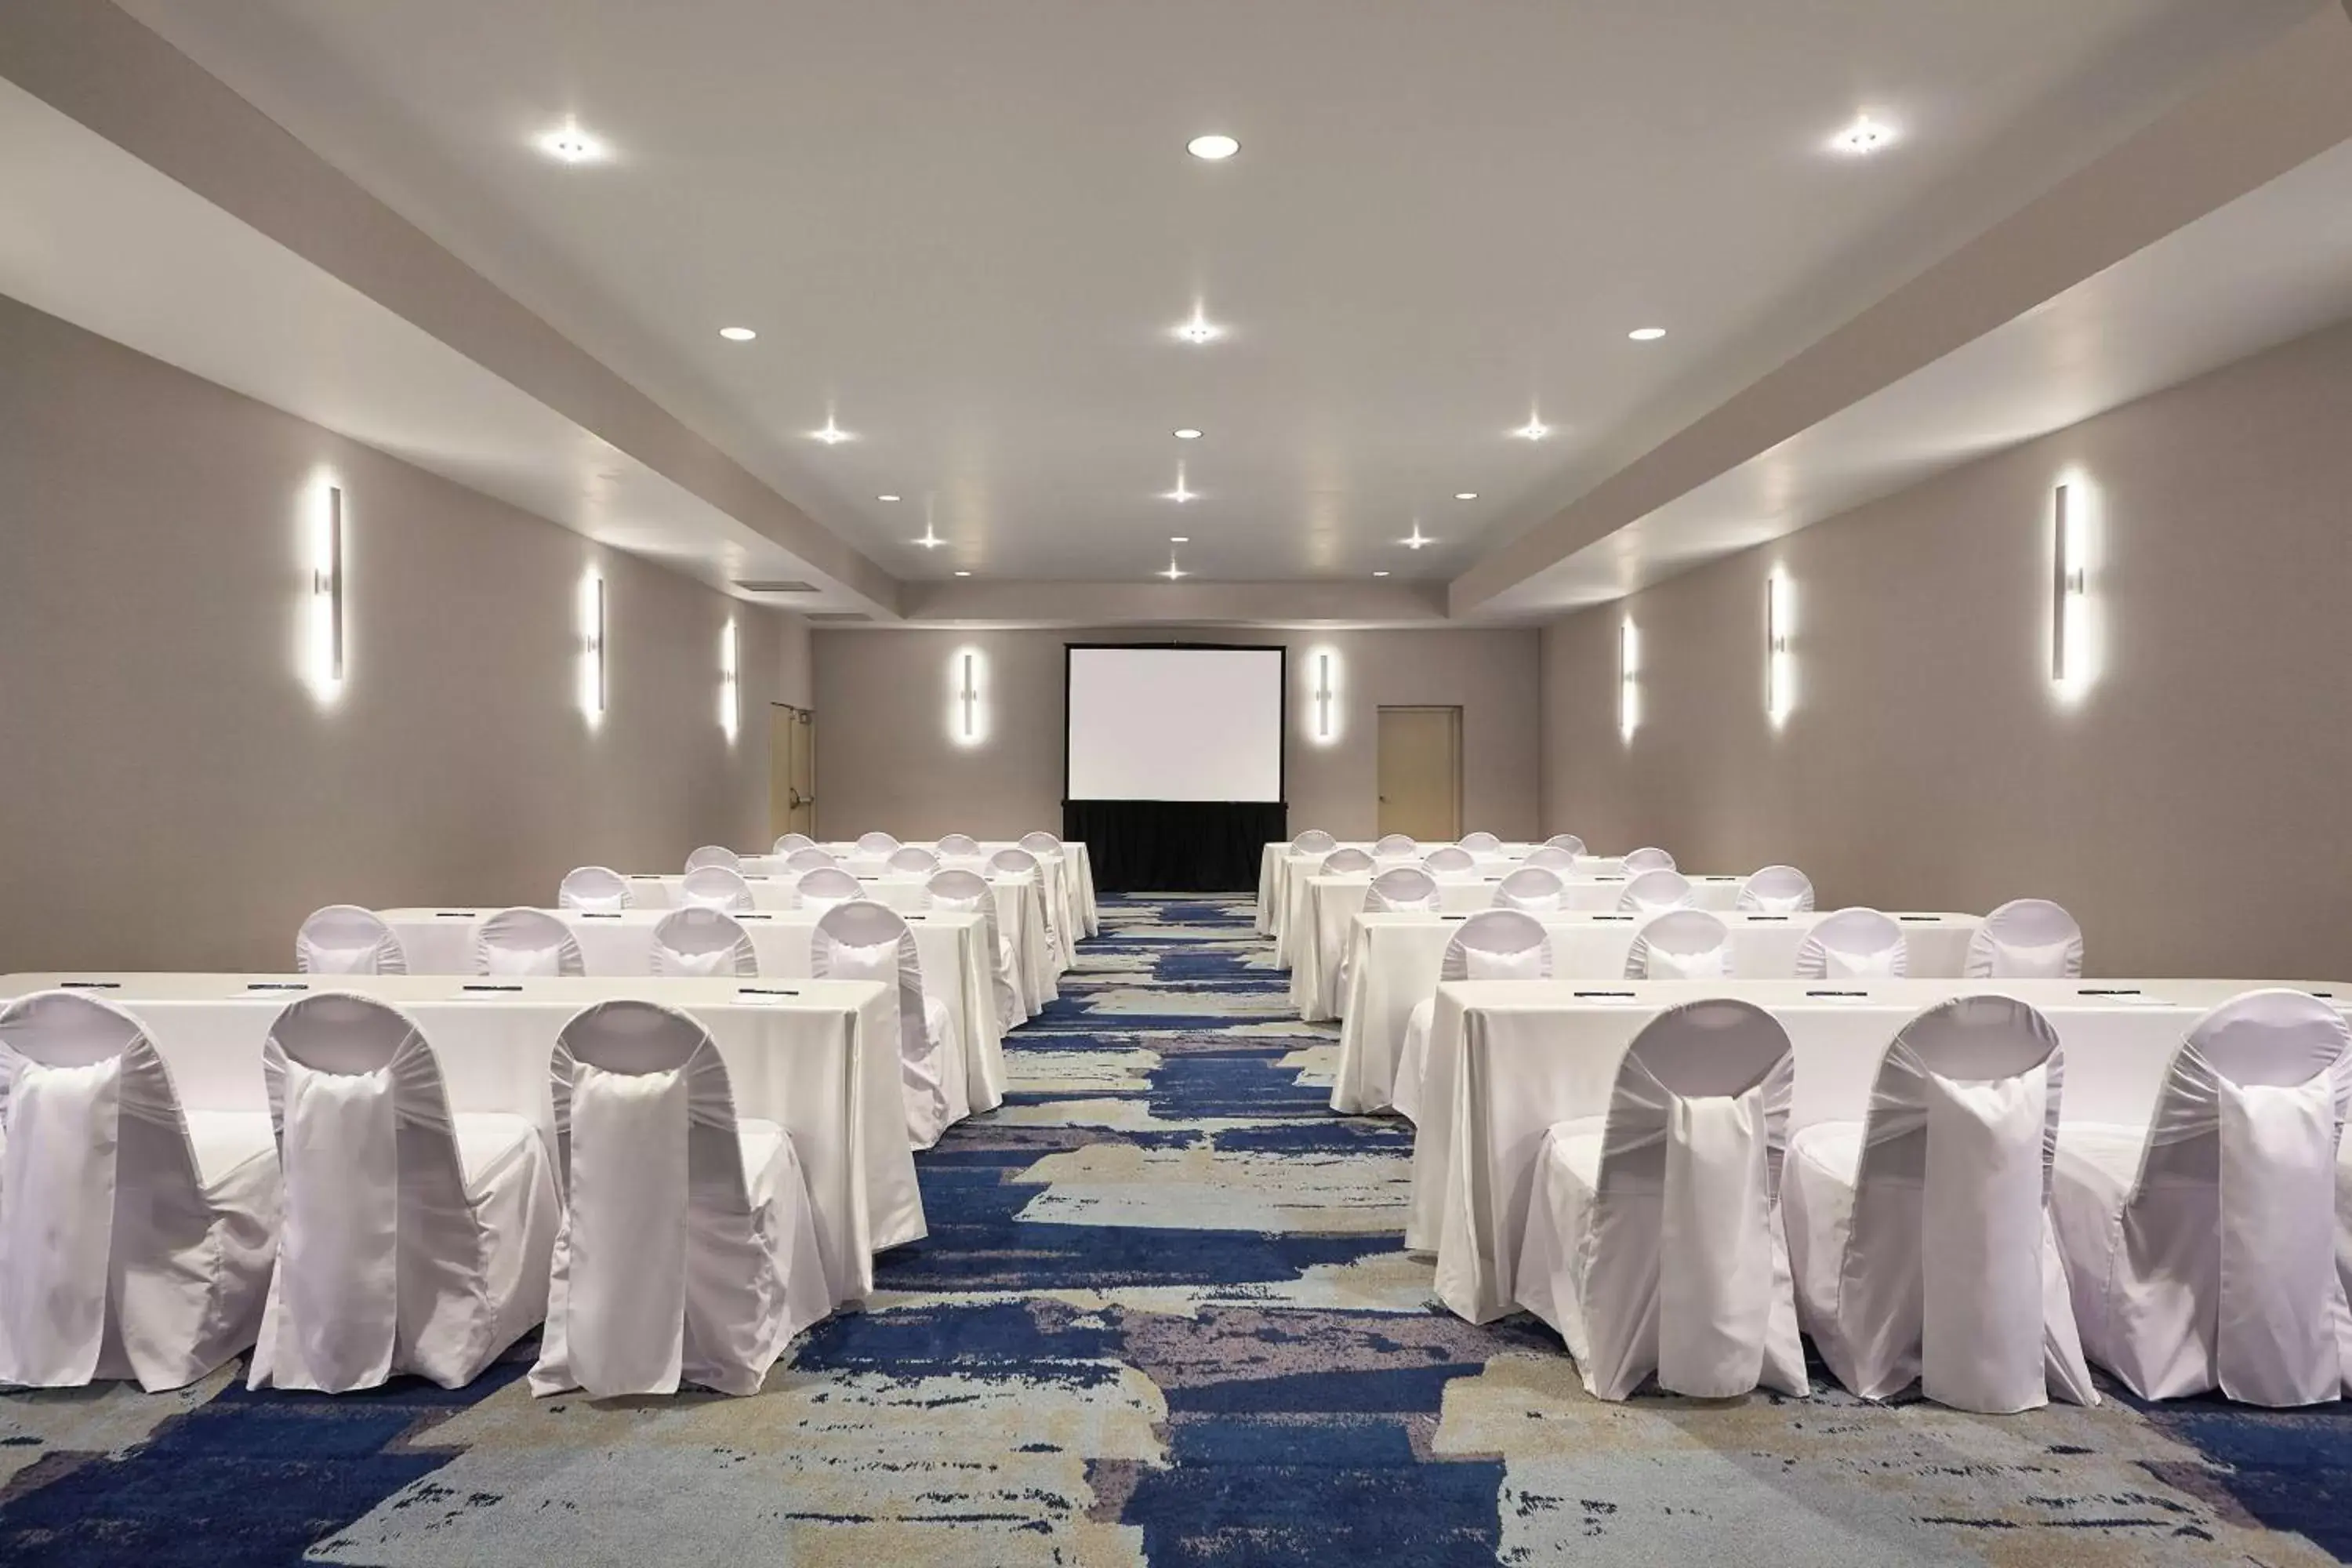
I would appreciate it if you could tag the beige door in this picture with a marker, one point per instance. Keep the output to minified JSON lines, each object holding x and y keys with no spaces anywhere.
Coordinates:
{"x":1420,"y":771}
{"x":791,"y":770}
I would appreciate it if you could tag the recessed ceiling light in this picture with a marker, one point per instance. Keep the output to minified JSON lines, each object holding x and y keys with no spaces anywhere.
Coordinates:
{"x":1646,"y":334}
{"x":1863,"y":137}
{"x":1418,"y":539}
{"x":1181,"y":493}
{"x":832,"y":435}
{"x":1199,"y":331}
{"x":931,"y":539}
{"x":1180,"y":539}
{"x":964,"y":574}
{"x":1465,"y":495}
{"x":1533,"y":431}
{"x":1188,"y":433}
{"x":1174,"y":572}
{"x":886,"y":498}
{"x":738,"y":334}
{"x":1380,"y":573}
{"x":571,"y":144}
{"x":1212,"y":147}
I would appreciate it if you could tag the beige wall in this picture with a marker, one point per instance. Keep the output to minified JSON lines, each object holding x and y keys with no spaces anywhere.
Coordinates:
{"x":170,"y":795}
{"x":885,"y":758}
{"x":2189,"y":806}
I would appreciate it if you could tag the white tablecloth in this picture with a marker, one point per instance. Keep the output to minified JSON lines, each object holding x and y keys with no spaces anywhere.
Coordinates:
{"x":957,"y":969}
{"x":1020,"y":904}
{"x":821,"y":1058}
{"x":1394,"y":959}
{"x":1279,"y":863}
{"x":1510,"y":1059}
{"x":1070,"y":878}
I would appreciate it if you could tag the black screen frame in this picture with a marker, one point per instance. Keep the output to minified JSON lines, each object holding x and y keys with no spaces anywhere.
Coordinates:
{"x":1282,"y":766}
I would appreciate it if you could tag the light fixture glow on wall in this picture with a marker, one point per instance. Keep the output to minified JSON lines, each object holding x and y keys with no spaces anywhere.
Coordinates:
{"x":591,"y":646}
{"x":1779,"y":663}
{"x":2072,"y":654}
{"x":968,"y":708}
{"x":1323,"y":692}
{"x":1629,"y":680}
{"x":325,"y":655}
{"x":730,"y":682}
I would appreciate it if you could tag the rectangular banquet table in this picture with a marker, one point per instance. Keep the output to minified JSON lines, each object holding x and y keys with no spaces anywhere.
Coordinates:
{"x":1394,"y":962}
{"x":1279,"y":863}
{"x":1020,"y":904}
{"x":951,"y":944}
{"x":818,"y":1057}
{"x":1070,"y":880}
{"x":1508,"y":1059}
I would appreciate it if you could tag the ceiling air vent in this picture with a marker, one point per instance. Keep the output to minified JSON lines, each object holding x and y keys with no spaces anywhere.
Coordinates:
{"x":777,"y":586}
{"x":834,"y":618}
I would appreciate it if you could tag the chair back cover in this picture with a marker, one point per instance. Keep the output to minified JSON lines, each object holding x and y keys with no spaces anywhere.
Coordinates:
{"x":1481,"y":843}
{"x":1013,"y":860}
{"x":966,"y":891}
{"x":1681,"y":945}
{"x":715,"y":888}
{"x":962,"y":844}
{"x":1315,"y":841}
{"x":1403,"y":889}
{"x":1686,"y":1221}
{"x":1449,"y":861}
{"x":809,"y":858}
{"x":826,"y":887}
{"x":1648,"y":860}
{"x":1568,"y":841}
{"x":1531,"y":888}
{"x":2229,"y":1231}
{"x":714,"y":855}
{"x":1344,"y":862}
{"x":1041,"y":843}
{"x":1777,"y":890}
{"x":2026,"y":939}
{"x":660,"y":1273}
{"x":1853,"y":945}
{"x":1389,"y":844}
{"x":913,"y":858}
{"x":1497,"y":944}
{"x":876,"y":843}
{"x":526,"y":941}
{"x":866,"y":941}
{"x":343,"y":939}
{"x":597,"y":887}
{"x":1551,"y":857}
{"x":1655,"y":892}
{"x":1952,"y":1273}
{"x":787,"y":843}
{"x":700,"y":942}
{"x":96,"y":1172}
{"x":383,"y":1262}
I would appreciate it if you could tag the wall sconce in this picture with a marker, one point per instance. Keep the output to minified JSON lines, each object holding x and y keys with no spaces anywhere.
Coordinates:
{"x":326,"y":658}
{"x":1780,"y":664}
{"x":1629,"y":680}
{"x":966,"y":712}
{"x":731,"y":684}
{"x":591,"y":646}
{"x":2070,"y":653}
{"x":1325,"y":694}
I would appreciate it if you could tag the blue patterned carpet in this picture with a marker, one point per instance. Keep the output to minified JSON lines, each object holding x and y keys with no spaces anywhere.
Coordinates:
{"x":1163,"y":1317}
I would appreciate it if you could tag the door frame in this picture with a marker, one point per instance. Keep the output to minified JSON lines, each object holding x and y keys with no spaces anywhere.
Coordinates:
{"x":783,"y":800}
{"x":1454,"y":711}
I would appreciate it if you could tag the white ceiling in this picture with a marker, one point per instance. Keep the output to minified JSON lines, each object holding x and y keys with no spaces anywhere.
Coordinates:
{"x":964,"y":230}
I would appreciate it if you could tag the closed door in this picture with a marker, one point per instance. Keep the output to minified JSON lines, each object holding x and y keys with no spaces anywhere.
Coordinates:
{"x":1420,"y":771}
{"x":791,"y":770}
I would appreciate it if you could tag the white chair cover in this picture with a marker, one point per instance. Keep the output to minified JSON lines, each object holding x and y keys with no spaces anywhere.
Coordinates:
{"x":1481,"y":843}
{"x":1549,"y":857}
{"x":2026,"y":939}
{"x":1655,"y":892}
{"x":1647,"y":859}
{"x":825,"y":887}
{"x":1341,"y":862}
{"x":415,"y":1241}
{"x":1389,"y":844}
{"x":969,"y":890}
{"x":1041,"y":843}
{"x":1921,"y":1238}
{"x":1531,"y":888}
{"x":865,"y":940}
{"x":526,"y":941}
{"x":809,"y":858}
{"x":1449,"y":861}
{"x":1853,"y":945}
{"x":1315,"y":841}
{"x":2199,"y":1249}
{"x":1681,"y":945}
{"x":714,"y":855}
{"x":787,"y":843}
{"x":1653,"y":1240}
{"x":1021,"y":863}
{"x":963,"y":845}
{"x":135,"y":1240}
{"x":703,"y":943}
{"x":688,"y":1252}
{"x":1494,"y":944}
{"x":876,"y":843}
{"x":1404,"y":888}
{"x":714,"y":888}
{"x":596,"y":888}
{"x":1777,"y":890}
{"x":1568,"y":841}
{"x":913,"y":858}
{"x":343,"y":939}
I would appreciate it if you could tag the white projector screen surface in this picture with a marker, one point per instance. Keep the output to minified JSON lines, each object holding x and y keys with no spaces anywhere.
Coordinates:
{"x":1175,"y":724}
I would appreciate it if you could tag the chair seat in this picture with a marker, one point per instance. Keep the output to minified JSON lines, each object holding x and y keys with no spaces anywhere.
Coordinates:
{"x":227,"y":1141}
{"x":489,"y":1141}
{"x":2099,"y":1160}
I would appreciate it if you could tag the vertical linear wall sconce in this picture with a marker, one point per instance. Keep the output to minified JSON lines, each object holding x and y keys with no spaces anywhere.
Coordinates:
{"x":1780,"y":664}
{"x":2069,"y":659}
{"x":967,"y":716}
{"x":730,"y":682}
{"x":591,"y":646}
{"x":326,"y":596}
{"x":1325,"y":727}
{"x":1629,"y":680}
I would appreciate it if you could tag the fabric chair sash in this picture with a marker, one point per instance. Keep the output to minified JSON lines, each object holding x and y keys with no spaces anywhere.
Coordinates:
{"x":339,"y":1271}
{"x":1982,"y":1307}
{"x":623,"y":1274}
{"x":1716,"y":1264}
{"x":56,"y":1217}
{"x":2275,"y":1341}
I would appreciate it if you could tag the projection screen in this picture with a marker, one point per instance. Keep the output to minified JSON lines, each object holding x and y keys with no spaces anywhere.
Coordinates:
{"x":1174,"y":723}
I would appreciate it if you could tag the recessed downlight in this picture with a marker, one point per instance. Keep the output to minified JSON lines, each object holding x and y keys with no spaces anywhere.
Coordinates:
{"x":1215,"y":147}
{"x":1533,"y":431}
{"x":886,"y":498}
{"x":1380,"y":573}
{"x":1188,"y":433}
{"x":832,"y":435}
{"x":931,"y":539}
{"x":964,"y":574}
{"x":1200,"y":330}
{"x":1173,"y":571}
{"x":738,"y":334}
{"x":1465,"y":495}
{"x":1418,"y":540}
{"x":569,"y":144}
{"x":1863,"y":137}
{"x":1180,"y":539}
{"x":1646,"y":334}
